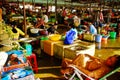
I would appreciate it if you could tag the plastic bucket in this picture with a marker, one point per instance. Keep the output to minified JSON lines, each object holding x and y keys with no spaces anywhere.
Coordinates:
{"x":112,"y":35}
{"x":98,"y":38}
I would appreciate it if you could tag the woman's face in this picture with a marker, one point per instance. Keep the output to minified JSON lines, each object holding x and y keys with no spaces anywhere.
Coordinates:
{"x":111,"y":61}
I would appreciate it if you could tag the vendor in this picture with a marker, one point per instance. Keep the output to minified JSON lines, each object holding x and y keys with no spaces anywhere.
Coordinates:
{"x":10,"y":62}
{"x":52,"y":29}
{"x":92,"y":28}
{"x":40,"y":23}
{"x":16,"y":33}
{"x":91,"y":66}
{"x":13,"y":59}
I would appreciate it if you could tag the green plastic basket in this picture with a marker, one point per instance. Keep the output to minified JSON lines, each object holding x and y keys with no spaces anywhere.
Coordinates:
{"x":112,"y":35}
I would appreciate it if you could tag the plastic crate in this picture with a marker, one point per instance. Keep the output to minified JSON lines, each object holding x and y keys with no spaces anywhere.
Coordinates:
{"x":48,"y":46}
{"x":59,"y":49}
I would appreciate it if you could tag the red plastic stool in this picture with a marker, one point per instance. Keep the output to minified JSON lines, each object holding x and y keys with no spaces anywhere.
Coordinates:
{"x":33,"y":61}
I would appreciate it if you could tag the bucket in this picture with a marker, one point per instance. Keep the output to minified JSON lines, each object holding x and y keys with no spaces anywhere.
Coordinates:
{"x":112,"y":35}
{"x":98,"y":38}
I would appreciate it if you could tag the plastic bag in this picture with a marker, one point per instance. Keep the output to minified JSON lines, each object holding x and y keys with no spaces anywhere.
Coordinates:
{"x":70,"y":35}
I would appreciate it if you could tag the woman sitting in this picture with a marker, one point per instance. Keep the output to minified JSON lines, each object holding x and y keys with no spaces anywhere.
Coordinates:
{"x":16,"y":33}
{"x":53,"y":29}
{"x":13,"y":65}
{"x":91,"y":66}
{"x":40,"y":23}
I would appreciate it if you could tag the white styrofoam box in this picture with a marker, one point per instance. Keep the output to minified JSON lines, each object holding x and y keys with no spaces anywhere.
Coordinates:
{"x":86,"y":44}
{"x":73,"y":51}
{"x":89,"y":45}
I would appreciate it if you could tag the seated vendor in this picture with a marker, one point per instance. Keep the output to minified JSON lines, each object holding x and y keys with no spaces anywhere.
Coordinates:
{"x":52,"y":28}
{"x":40,"y":23}
{"x":91,"y":66}
{"x":92,"y":28}
{"x":10,"y":62}
{"x":16,"y":33}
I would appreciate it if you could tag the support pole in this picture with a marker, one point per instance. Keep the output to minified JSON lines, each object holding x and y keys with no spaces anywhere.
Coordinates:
{"x":47,"y":7}
{"x":55,"y":9}
{"x":24,"y":11}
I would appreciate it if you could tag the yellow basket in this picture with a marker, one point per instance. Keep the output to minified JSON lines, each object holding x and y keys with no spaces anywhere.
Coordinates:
{"x":55,"y":37}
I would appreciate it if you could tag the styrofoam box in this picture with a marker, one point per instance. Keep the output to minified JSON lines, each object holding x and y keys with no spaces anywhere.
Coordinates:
{"x":80,"y":48}
{"x":89,"y":45}
{"x":48,"y":46}
{"x":86,"y":44}
{"x":59,"y":49}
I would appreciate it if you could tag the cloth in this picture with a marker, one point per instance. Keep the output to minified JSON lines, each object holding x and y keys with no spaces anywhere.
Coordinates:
{"x":45,"y":18}
{"x":101,"y":17}
{"x":3,"y":58}
{"x":16,"y":35}
{"x":76,"y":33}
{"x":93,"y":30}
{"x":40,"y":23}
{"x":81,"y":62}
{"x":0,"y":14}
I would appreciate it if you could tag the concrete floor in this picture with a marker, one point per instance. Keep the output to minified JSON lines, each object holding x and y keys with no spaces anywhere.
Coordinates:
{"x":107,"y":48}
{"x":49,"y":67}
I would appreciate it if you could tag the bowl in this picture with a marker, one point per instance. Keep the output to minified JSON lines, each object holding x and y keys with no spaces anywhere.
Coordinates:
{"x":34,"y":31}
{"x":55,"y":37}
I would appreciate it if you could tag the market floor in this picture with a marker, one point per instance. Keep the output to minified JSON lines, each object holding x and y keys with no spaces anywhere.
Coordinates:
{"x":49,"y":67}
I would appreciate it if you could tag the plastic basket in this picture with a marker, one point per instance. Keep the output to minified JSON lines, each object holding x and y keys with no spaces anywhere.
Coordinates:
{"x":55,"y":37}
{"x":112,"y":35}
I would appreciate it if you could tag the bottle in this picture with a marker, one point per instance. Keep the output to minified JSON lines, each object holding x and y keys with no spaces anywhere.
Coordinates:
{"x":28,"y":48}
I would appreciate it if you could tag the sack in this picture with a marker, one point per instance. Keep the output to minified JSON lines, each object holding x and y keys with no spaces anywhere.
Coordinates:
{"x":69,"y":39}
{"x":93,"y":65}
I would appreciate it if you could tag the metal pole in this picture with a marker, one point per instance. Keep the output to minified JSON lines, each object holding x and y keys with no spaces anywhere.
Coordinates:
{"x":47,"y":7}
{"x":24,"y":11}
{"x":55,"y":9}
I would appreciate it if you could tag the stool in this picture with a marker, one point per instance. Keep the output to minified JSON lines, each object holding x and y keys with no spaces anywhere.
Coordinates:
{"x":33,"y":61}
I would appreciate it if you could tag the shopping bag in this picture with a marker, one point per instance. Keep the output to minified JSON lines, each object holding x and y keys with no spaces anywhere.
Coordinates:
{"x":70,"y":35}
